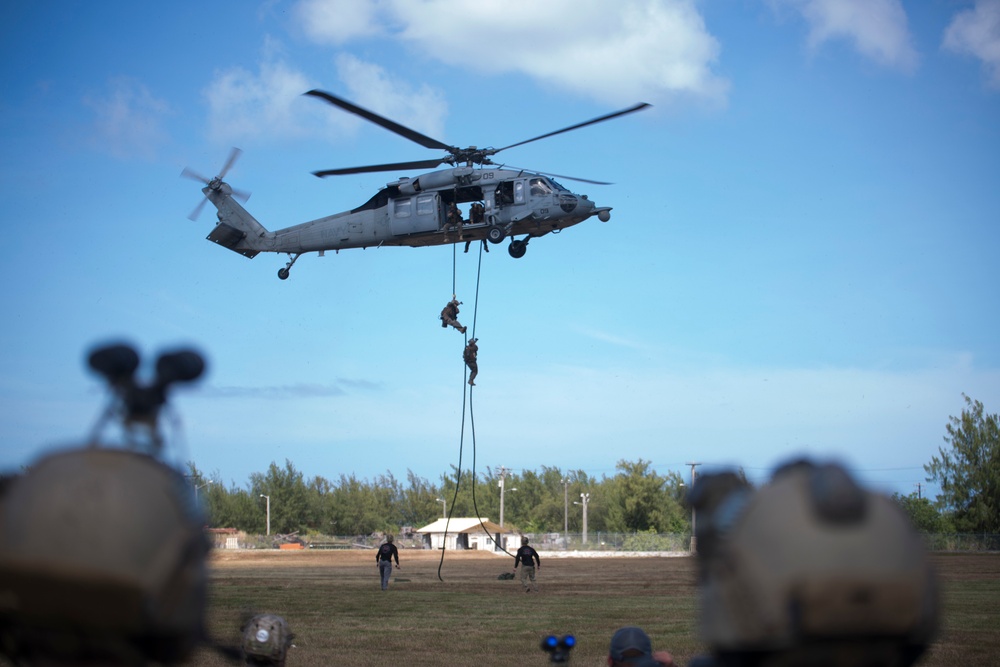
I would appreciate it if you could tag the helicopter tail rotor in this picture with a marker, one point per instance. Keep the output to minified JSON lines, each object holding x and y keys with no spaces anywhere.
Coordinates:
{"x":216,"y":183}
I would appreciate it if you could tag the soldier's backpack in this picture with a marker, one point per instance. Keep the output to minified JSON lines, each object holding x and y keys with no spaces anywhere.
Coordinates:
{"x":266,"y":639}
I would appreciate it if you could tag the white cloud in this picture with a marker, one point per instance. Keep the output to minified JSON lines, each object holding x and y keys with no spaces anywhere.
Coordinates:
{"x":128,"y":119}
{"x":244,"y":104}
{"x":878,"y":29}
{"x":976,"y":32}
{"x":636,"y":50}
{"x":268,"y":103}
{"x":370,"y":86}
{"x":339,"y":21}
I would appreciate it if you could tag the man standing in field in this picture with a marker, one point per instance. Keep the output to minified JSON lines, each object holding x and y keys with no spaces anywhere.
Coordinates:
{"x":383,"y":560}
{"x":528,"y":560}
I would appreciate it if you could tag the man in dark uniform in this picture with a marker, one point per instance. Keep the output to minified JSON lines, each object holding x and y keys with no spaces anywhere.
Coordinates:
{"x":449,"y":314}
{"x":528,"y":559}
{"x":470,"y":355}
{"x":383,"y":560}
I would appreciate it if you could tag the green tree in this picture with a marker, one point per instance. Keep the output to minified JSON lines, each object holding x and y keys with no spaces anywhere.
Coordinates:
{"x":968,"y":470}
{"x":639,"y":499}
{"x":289,"y":498}
{"x":923,"y":515}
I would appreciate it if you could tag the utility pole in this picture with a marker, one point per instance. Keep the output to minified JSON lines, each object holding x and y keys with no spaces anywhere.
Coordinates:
{"x":585,"y":497}
{"x":919,"y":490}
{"x":565,"y":484}
{"x":503,"y":476}
{"x":694,"y":514}
{"x":200,"y":487}
{"x":444,"y":507}
{"x":268,"y":512}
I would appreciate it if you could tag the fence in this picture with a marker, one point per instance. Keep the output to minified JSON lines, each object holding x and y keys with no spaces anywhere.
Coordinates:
{"x":596,"y":541}
{"x":962,"y":542}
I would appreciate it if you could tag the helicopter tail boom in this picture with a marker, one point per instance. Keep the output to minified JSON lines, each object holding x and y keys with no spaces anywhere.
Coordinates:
{"x":237,"y":229}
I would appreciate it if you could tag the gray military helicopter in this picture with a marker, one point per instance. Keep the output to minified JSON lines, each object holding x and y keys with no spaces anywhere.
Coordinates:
{"x":506,"y":202}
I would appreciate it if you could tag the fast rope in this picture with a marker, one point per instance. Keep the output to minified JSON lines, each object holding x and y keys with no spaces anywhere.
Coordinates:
{"x":466,"y":400}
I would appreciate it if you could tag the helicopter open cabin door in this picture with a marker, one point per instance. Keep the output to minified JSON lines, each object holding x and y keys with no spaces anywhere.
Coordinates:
{"x":415,"y":214}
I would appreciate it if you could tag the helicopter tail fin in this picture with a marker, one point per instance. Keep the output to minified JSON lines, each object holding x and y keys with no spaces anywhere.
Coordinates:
{"x":237,"y":229}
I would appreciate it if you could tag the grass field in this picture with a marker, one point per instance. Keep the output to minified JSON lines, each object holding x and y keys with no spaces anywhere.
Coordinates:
{"x":339,"y":615}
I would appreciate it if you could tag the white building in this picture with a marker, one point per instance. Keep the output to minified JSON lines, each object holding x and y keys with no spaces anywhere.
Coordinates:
{"x":468,"y":533}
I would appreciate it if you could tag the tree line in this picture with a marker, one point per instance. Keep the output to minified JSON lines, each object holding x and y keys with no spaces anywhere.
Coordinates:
{"x":635,"y":499}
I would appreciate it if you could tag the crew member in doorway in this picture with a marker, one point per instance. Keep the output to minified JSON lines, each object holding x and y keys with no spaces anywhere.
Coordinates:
{"x":454,"y":220}
{"x":470,"y":354}
{"x":449,"y":315}
{"x":477,"y":215}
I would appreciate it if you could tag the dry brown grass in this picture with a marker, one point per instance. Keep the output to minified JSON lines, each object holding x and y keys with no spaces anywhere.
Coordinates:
{"x":340,"y":616}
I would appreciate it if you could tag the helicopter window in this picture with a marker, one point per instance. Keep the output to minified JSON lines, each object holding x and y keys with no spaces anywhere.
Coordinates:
{"x":518,"y":192}
{"x":557,"y":186}
{"x":539,"y":187}
{"x":401,"y":208}
{"x":425,"y":204}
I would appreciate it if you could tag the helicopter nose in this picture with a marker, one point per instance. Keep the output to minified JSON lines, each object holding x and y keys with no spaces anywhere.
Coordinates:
{"x":575,"y":204}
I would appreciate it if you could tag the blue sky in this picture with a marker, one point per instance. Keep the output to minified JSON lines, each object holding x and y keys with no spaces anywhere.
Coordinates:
{"x":801,"y":258}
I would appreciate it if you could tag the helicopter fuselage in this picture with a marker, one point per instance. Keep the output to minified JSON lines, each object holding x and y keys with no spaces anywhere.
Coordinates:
{"x":414,"y":212}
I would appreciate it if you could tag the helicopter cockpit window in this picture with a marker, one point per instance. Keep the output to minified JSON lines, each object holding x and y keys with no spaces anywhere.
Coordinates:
{"x":425,"y":204}
{"x":557,"y":185}
{"x":540,"y":188}
{"x":401,"y":208}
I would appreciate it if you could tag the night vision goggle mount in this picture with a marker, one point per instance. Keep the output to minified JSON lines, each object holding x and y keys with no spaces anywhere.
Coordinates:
{"x":137,"y":404}
{"x":558,"y":648}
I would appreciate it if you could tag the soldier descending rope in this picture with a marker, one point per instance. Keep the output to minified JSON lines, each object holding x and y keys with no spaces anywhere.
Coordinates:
{"x":449,"y":315}
{"x":470,"y":355}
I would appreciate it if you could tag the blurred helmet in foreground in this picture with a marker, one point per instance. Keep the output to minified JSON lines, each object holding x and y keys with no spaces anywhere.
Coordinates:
{"x":102,"y":558}
{"x":266,"y":640}
{"x":811,"y":569}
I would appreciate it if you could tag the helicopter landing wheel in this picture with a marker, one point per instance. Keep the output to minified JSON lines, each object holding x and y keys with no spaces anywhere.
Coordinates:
{"x":496,"y":234}
{"x":283,"y":272}
{"x":517,"y":249}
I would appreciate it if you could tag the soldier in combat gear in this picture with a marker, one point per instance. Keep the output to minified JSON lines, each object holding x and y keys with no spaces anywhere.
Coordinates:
{"x":470,"y":355}
{"x":454,"y":221}
{"x":477,"y":215}
{"x":449,"y":315}
{"x":810,"y":570}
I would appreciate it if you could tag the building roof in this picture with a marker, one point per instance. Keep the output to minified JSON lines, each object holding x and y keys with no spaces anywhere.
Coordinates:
{"x":464,"y":525}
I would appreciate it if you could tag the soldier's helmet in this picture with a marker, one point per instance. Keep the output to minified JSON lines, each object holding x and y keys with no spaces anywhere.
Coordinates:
{"x":102,"y":550}
{"x":811,"y":569}
{"x":102,"y":558}
{"x":266,"y":640}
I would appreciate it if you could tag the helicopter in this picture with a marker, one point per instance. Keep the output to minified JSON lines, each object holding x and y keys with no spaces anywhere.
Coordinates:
{"x":505,"y":202}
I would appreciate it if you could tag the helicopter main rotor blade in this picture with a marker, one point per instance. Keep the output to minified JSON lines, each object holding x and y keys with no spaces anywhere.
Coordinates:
{"x":397,"y":166}
{"x":632,"y":109}
{"x":549,"y":173}
{"x":392,"y":126}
